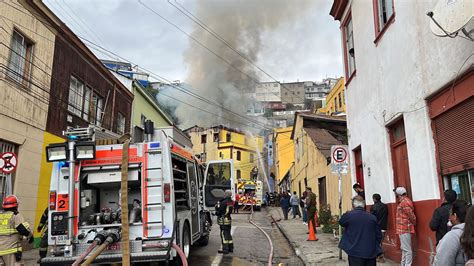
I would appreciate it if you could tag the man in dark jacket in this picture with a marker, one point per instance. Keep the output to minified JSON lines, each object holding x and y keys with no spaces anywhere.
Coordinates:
{"x":440,"y":217}
{"x":362,"y":234}
{"x":285,"y":204}
{"x":380,"y":211}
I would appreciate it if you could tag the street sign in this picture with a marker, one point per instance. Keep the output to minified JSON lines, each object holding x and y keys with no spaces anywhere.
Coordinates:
{"x":8,"y":162}
{"x":339,"y":165}
{"x":339,"y":159}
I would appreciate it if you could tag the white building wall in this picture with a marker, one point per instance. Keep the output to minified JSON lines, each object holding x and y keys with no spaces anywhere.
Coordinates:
{"x":393,"y":78}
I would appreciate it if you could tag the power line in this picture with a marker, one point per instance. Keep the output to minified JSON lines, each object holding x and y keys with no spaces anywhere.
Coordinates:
{"x":179,"y":88}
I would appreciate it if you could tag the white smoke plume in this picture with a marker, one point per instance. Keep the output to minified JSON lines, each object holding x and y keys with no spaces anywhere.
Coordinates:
{"x":242,"y":24}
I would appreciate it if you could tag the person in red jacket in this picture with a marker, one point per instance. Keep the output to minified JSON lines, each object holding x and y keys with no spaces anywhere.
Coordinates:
{"x":405,"y":224}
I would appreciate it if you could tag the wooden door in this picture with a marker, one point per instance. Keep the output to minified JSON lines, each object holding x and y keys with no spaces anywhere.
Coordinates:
{"x":401,"y":168}
{"x":322,"y":192}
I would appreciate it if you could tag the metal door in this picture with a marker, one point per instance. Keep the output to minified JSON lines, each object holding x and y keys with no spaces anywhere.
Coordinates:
{"x":194,"y":198}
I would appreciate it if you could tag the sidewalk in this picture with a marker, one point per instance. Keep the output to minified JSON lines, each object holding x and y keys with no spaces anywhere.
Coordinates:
{"x":322,"y":252}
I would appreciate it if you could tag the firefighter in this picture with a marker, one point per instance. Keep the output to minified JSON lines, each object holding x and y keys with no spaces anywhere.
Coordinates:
{"x":12,"y":229}
{"x":43,"y":229}
{"x":223,"y":212}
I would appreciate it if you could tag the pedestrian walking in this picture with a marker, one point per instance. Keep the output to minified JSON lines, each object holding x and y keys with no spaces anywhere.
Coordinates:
{"x":312,"y":210}
{"x":224,"y":220}
{"x":359,"y":190}
{"x":236,"y":203}
{"x":448,"y":251}
{"x":12,"y":229}
{"x":440,"y":218}
{"x":362,"y":236}
{"x":43,"y":230}
{"x":380,"y":211}
{"x":405,"y":224}
{"x":295,"y":205}
{"x":467,"y":237}
{"x":285,"y":204}
{"x":304,"y":210}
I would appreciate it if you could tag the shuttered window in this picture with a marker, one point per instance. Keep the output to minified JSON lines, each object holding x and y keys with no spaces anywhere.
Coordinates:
{"x":454,"y":131}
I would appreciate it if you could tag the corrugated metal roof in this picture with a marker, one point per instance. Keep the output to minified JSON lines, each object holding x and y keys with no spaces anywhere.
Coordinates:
{"x":322,"y":139}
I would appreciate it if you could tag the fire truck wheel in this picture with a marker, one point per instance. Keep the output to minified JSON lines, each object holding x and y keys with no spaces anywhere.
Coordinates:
{"x":186,"y":240}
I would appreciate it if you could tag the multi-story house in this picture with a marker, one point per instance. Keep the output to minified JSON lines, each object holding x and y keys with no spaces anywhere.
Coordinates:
{"x":313,"y":135}
{"x":27,"y":46}
{"x":82,"y":93}
{"x":335,"y":102}
{"x":284,"y":155}
{"x":268,"y":92}
{"x":409,"y":104}
{"x":219,"y":142}
{"x":293,"y":93}
{"x":145,"y":107}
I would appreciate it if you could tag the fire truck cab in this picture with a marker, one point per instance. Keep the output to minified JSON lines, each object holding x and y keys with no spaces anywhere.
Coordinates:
{"x":166,"y":195}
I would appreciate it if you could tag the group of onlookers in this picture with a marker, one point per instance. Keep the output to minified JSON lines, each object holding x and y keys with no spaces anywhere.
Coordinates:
{"x":453,"y":223}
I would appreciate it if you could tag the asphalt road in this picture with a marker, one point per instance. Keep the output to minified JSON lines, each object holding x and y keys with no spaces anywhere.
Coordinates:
{"x":251,"y":247}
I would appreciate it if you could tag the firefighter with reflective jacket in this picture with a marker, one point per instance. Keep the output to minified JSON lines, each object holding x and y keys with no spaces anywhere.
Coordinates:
{"x":43,"y":229}
{"x":12,"y":229}
{"x":223,"y":211}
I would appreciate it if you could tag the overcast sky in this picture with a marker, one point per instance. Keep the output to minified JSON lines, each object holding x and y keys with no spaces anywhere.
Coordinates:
{"x":305,"y":48}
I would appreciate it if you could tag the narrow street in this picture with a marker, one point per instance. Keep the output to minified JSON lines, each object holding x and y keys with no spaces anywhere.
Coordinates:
{"x":251,"y":246}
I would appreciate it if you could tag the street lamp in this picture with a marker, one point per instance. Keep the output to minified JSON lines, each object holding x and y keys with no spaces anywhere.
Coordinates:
{"x":56,"y":152}
{"x":84,"y":150}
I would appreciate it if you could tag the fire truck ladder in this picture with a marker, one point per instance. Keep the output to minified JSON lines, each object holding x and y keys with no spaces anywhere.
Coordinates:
{"x":154,"y":192}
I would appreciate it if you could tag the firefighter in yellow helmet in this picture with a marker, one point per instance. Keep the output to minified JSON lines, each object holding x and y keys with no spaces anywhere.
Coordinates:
{"x":12,"y":229}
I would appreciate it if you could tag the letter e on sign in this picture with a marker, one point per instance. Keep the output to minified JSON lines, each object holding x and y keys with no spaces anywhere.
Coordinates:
{"x":339,"y":154}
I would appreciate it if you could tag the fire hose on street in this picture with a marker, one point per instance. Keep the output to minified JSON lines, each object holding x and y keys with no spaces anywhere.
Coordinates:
{"x":270,"y":256}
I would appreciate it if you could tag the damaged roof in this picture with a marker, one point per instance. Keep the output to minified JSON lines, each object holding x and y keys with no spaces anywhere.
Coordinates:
{"x":322,"y":139}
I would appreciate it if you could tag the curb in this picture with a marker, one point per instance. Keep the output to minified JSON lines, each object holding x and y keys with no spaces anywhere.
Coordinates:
{"x":298,"y":253}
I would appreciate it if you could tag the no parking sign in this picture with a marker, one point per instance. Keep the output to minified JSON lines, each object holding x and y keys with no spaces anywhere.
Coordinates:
{"x":8,"y":162}
{"x":339,"y":159}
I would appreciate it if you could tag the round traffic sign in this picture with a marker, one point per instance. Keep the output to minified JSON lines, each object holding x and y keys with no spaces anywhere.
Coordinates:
{"x":8,"y":162}
{"x":339,"y":155}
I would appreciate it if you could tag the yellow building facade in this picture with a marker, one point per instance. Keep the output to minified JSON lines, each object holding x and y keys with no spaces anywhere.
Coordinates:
{"x":335,"y":100}
{"x":313,"y":139}
{"x":219,"y":143}
{"x":284,"y":152}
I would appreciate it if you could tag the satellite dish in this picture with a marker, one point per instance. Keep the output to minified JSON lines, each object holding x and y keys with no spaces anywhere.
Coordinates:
{"x":451,"y":15}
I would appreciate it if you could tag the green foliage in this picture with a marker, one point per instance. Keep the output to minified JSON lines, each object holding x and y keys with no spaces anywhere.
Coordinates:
{"x":328,"y":222}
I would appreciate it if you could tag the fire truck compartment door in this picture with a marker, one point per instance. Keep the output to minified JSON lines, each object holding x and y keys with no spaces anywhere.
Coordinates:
{"x":110,"y":176}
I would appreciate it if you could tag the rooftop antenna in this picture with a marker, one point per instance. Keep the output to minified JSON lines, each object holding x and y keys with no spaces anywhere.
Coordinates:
{"x":451,"y":16}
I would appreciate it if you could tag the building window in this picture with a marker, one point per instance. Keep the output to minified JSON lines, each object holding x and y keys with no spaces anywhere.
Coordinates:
{"x":120,"y":124}
{"x":203,"y":138}
{"x":228,"y":137}
{"x":220,"y":155}
{"x":97,"y":110}
{"x":142,"y":121}
{"x":7,"y":180}
{"x":76,"y":96}
{"x":349,"y":52}
{"x":216,"y":137}
{"x":340,"y":100}
{"x":252,"y":157}
{"x":19,"y":62}
{"x":239,"y":156}
{"x":384,"y":10}
{"x":335,"y":104}
{"x":239,"y":175}
{"x":462,"y":183}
